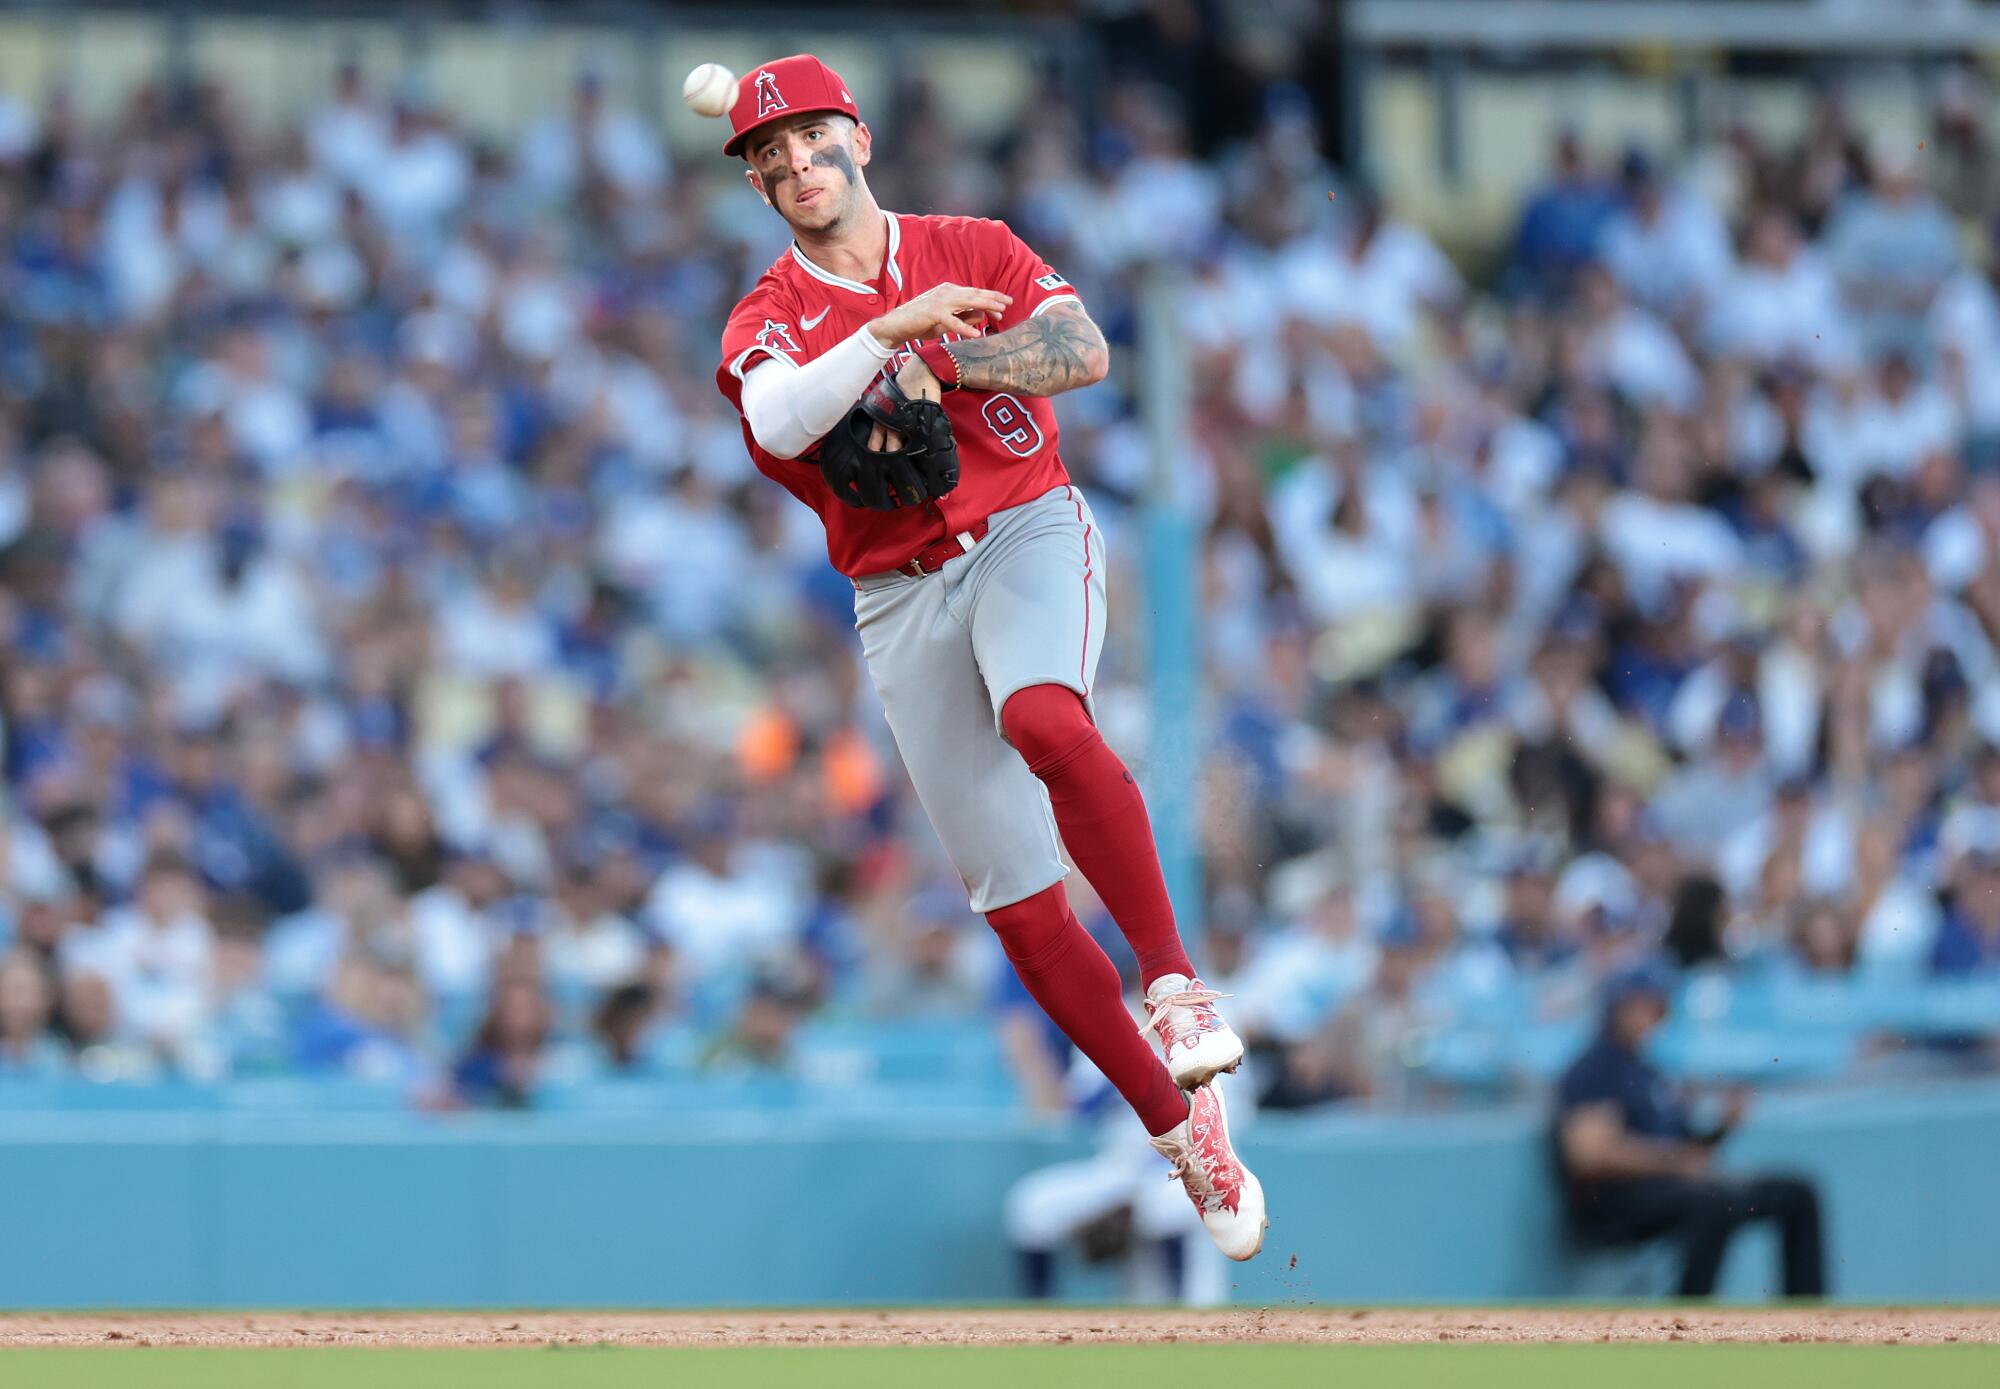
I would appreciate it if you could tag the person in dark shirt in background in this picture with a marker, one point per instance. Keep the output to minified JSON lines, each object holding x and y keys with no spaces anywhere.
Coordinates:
{"x":1968,"y":939}
{"x":1634,"y":1167}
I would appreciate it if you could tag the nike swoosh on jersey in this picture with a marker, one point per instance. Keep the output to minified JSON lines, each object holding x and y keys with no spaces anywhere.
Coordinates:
{"x":814,"y":321}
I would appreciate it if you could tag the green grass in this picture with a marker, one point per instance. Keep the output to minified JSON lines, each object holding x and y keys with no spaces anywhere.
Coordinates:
{"x":1019,"y":1367}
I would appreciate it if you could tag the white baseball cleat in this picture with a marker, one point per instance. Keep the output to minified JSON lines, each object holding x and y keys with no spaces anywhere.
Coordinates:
{"x":1198,"y":1043}
{"x":1230,"y":1200}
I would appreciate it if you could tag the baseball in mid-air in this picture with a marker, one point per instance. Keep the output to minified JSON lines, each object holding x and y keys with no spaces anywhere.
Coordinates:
{"x":710,"y":90}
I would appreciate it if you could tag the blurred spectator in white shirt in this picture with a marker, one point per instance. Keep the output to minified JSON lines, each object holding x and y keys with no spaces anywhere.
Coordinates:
{"x":497,"y":628}
{"x":1630,"y":348}
{"x":592,"y":944}
{"x":1722,"y":793}
{"x":1379,"y":272}
{"x":1780,"y":302}
{"x":1890,"y":247}
{"x":1965,"y":332}
{"x":1319,"y":958}
{"x":419,"y":177}
{"x":716,"y":911}
{"x":1160,"y":200}
{"x":348,"y":134}
{"x":1668,"y":247}
{"x":454,"y":924}
{"x":931,"y":960}
{"x":591,"y":145}
{"x":157,"y":954}
{"x":1658,"y":532}
{"x":1883,"y":426}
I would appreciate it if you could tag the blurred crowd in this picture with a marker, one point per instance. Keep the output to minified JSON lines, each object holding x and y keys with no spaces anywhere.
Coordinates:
{"x":406,"y":676}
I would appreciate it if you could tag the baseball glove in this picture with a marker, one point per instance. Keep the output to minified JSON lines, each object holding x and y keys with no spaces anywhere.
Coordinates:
{"x":924,"y":469}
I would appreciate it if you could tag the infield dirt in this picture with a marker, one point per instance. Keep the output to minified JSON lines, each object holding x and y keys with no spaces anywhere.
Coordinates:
{"x":1007,"y":1326}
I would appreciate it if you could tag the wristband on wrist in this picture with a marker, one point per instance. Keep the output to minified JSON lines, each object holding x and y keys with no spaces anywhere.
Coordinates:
{"x":937,"y":356}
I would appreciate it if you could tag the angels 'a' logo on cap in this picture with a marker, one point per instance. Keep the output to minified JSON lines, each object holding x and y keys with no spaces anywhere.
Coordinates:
{"x":778,"y":337}
{"x":768,"y":98}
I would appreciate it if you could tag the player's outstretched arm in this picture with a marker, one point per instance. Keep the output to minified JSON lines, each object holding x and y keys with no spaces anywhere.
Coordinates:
{"x":1057,"y":350}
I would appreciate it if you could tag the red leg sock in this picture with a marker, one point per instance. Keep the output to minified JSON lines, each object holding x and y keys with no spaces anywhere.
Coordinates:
{"x":1103,"y":820}
{"x":1077,"y":986}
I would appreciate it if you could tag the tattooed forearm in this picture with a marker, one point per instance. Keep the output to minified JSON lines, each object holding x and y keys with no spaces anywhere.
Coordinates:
{"x":1050,"y":353}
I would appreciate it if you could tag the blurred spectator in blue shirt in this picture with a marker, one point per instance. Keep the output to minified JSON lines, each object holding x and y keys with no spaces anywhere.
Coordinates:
{"x":367,"y":1025}
{"x":1968,"y":939}
{"x":1562,"y":223}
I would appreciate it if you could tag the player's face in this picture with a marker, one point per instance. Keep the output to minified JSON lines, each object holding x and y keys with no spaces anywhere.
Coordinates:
{"x":809,"y":168}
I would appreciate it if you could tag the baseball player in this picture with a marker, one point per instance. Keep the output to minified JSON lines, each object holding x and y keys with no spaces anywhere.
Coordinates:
{"x":893,"y":373}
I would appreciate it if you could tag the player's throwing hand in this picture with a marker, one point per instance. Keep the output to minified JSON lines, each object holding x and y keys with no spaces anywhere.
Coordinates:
{"x":939,"y":310}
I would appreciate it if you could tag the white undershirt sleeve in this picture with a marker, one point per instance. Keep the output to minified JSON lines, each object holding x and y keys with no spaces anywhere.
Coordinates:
{"x":790,"y":410}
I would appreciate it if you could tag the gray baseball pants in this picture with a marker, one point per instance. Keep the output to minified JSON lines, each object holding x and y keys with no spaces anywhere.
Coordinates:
{"x":1025,"y":606}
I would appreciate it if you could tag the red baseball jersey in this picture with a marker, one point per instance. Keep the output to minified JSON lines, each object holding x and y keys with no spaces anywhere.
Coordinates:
{"x":1006,"y":443}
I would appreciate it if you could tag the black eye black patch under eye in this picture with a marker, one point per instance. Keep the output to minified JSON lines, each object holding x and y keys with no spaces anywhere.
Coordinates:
{"x":835,"y":158}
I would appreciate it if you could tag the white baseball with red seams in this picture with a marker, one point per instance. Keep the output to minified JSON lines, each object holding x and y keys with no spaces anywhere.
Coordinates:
{"x":710,"y":90}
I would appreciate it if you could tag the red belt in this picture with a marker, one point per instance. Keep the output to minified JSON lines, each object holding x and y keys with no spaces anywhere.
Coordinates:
{"x":929,"y":561}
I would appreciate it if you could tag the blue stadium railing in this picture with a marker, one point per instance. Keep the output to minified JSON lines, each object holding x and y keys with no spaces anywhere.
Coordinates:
{"x":1758,"y":1029}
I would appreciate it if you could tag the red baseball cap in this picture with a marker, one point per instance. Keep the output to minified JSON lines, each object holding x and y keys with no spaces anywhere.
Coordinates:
{"x":787,"y":87}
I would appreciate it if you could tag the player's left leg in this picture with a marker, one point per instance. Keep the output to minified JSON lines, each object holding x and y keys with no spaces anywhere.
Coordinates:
{"x":1037,"y":623}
